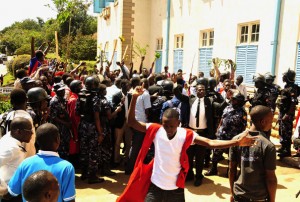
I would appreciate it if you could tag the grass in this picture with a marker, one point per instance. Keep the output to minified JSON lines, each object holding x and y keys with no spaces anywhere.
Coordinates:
{"x":8,"y":79}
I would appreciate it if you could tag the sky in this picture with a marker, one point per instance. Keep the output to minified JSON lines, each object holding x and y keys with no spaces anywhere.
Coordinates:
{"x":18,"y":10}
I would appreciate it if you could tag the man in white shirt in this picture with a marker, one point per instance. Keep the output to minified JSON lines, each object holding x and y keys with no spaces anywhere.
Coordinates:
{"x":111,"y":90}
{"x":201,"y":121}
{"x":167,"y":178}
{"x":241,"y":87}
{"x":18,"y":99}
{"x":12,"y":153}
{"x":143,"y":104}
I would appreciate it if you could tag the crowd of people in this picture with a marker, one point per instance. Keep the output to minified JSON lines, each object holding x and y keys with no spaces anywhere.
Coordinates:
{"x":61,"y":120}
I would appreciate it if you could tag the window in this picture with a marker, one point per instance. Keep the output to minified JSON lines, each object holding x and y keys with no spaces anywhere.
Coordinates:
{"x":179,"y":39}
{"x":249,"y":33}
{"x":298,"y":65}
{"x":207,"y":38}
{"x":204,"y":39}
{"x":159,"y":44}
{"x":255,"y":33}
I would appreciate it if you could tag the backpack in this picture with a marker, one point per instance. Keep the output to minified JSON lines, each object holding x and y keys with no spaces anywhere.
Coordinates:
{"x":177,"y":108}
{"x":155,"y":110}
{"x":4,"y":124}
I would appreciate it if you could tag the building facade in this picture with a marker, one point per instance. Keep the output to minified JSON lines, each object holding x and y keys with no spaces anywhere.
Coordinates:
{"x":260,"y":36}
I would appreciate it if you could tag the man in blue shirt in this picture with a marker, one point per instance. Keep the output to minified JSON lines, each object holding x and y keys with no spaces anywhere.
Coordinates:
{"x":47,"y":137}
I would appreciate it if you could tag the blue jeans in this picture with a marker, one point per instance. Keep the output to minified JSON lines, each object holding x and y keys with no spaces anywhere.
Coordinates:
{"x":156,"y":194}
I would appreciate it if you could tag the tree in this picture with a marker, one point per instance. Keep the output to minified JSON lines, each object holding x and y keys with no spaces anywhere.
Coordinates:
{"x":68,"y":10}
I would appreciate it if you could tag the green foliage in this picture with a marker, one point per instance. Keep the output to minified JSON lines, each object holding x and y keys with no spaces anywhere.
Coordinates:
{"x":4,"y":106}
{"x":18,"y":62}
{"x":139,"y":50}
{"x":8,"y":79}
{"x":72,"y":16}
{"x":24,"y":49}
{"x":83,"y":47}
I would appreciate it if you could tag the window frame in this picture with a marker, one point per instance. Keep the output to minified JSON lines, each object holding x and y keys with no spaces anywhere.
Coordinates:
{"x":159,"y":44}
{"x":178,"y":41}
{"x":209,"y":39}
{"x":249,"y":33}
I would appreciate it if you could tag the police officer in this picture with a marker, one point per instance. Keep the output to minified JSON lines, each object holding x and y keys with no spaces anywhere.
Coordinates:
{"x":287,"y":112}
{"x":233,"y":122}
{"x":216,"y":98}
{"x":263,"y":95}
{"x":90,"y":131}
{"x":38,"y":101}
{"x":166,"y":93}
{"x":274,"y":89}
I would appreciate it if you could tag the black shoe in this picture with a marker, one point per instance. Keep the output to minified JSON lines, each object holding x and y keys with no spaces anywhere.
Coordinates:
{"x":280,"y":150}
{"x":221,"y":158}
{"x":284,"y":154}
{"x":108,"y":173}
{"x":206,"y":164}
{"x":211,"y":172}
{"x":83,"y":177}
{"x":94,"y":180}
{"x":296,"y":155}
{"x":198,"y":182}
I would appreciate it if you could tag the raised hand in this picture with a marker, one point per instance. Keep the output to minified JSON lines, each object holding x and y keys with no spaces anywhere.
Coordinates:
{"x":139,"y":90}
{"x":246,"y":140}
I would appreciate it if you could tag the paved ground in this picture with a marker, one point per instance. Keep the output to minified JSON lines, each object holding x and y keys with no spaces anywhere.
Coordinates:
{"x":213,"y":189}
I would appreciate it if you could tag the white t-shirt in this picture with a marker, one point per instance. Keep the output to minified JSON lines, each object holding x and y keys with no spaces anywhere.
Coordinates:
{"x":167,"y":158}
{"x":143,"y":102}
{"x":11,"y":155}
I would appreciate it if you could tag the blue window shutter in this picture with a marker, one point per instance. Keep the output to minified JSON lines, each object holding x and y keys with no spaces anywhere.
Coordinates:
{"x":107,"y":2}
{"x":178,"y":60}
{"x":246,"y":61}
{"x":205,"y":57}
{"x":298,"y":65}
{"x":158,"y":63}
{"x":98,"y":5}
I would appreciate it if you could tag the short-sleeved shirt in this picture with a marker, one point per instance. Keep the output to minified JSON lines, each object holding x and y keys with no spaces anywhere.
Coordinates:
{"x":253,"y":161}
{"x":11,"y":155}
{"x":50,"y":161}
{"x":143,"y":102}
{"x":167,"y":158}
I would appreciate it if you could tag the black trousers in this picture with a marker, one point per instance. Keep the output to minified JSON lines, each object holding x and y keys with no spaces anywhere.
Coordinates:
{"x":197,"y":152}
{"x":156,"y":194}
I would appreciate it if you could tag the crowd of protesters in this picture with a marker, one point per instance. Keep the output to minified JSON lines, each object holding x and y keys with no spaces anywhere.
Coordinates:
{"x":88,"y":119}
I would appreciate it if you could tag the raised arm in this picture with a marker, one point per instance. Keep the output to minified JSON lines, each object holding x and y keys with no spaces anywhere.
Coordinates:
{"x":132,"y":122}
{"x":243,"y":140}
{"x":141,"y":65}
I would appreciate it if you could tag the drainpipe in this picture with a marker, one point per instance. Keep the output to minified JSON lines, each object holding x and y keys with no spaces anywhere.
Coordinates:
{"x":275,"y":37}
{"x":168,"y":31}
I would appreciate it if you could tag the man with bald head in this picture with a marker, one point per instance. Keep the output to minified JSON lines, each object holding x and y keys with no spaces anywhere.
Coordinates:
{"x":41,"y":186}
{"x":12,"y":153}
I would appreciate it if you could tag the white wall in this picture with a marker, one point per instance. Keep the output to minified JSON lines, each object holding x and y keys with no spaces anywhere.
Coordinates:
{"x":288,"y":37}
{"x":110,"y":30}
{"x":189,"y":17}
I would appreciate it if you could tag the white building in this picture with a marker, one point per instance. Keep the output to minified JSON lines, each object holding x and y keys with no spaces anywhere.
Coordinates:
{"x":259,"y":35}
